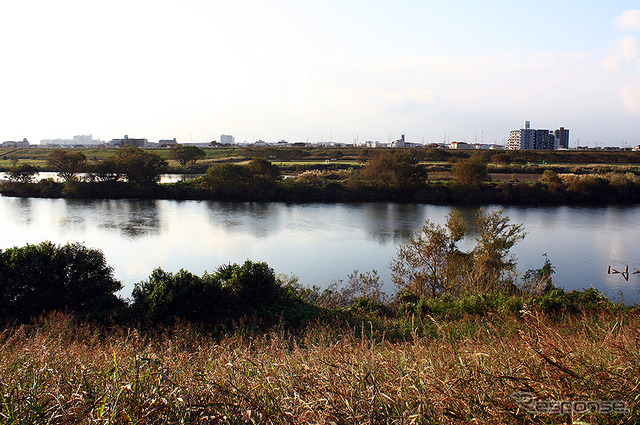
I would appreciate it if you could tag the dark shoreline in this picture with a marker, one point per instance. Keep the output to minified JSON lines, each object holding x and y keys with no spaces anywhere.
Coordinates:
{"x":597,"y":192}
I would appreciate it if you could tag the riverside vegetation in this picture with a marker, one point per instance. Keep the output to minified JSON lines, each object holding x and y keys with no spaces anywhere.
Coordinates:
{"x":399,"y":175}
{"x":461,"y":337}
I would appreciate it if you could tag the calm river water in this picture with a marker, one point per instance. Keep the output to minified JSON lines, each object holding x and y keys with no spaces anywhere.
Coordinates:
{"x":319,"y":243}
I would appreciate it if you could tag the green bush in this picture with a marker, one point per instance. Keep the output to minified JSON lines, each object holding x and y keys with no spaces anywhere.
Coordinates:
{"x":233,"y":292}
{"x":46,"y":277}
{"x":166,"y":296}
{"x":23,"y":173}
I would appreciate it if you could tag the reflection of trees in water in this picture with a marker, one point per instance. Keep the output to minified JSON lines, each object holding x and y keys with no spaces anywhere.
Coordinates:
{"x":259,"y":219}
{"x":469,"y":217}
{"x":386,"y":222}
{"x":24,"y":211}
{"x":132,"y":218}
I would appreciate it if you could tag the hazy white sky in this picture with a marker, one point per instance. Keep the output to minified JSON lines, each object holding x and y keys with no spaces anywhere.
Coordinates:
{"x":310,"y":70}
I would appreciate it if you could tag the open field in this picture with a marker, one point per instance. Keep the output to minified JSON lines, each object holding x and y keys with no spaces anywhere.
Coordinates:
{"x":459,"y":372}
{"x":38,"y":156}
{"x":316,"y":162}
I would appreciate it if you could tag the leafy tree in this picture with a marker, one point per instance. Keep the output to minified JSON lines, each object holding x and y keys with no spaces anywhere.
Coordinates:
{"x":470,"y":171}
{"x":140,"y":167}
{"x":107,"y":170}
{"x":493,"y":265}
{"x":427,"y":262}
{"x":263,"y":168}
{"x":539,"y":281}
{"x":187,"y":154}
{"x":45,"y":277}
{"x":67,"y":164}
{"x":23,"y":173}
{"x":227,"y":178}
{"x":400,"y":170}
{"x":430,"y":263}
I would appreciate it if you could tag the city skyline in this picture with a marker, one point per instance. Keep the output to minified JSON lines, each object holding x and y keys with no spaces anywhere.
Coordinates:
{"x":299,"y":70}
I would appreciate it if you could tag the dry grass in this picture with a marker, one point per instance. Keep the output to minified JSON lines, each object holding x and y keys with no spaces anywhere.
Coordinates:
{"x":60,"y":372}
{"x":521,"y":177}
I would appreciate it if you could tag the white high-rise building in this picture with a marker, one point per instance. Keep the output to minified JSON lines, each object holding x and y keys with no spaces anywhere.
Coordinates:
{"x":227,"y":139}
{"x":531,"y":138}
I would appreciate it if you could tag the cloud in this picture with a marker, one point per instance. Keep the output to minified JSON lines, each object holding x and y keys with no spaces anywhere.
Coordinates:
{"x":630,"y":96}
{"x":624,"y":52}
{"x":629,"y":19}
{"x":629,"y":48}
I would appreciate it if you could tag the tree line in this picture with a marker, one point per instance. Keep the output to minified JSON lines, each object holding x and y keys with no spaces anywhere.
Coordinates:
{"x":390,"y":175}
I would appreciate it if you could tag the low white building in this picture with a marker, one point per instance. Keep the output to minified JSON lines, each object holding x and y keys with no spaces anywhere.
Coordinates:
{"x":24,"y":143}
{"x":460,"y":145}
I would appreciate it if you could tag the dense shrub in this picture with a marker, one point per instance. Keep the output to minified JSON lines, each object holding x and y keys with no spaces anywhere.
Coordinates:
{"x":471,"y":171}
{"x":45,"y":277}
{"x":23,"y":173}
{"x":234,"y":291}
{"x":256,"y":181}
{"x":165,"y":296}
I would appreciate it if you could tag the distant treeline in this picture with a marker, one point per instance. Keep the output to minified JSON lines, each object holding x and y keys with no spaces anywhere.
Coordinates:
{"x":390,"y":175}
{"x":440,"y":154}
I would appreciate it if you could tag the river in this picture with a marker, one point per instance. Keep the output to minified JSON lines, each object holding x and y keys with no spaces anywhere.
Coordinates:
{"x":319,"y":243}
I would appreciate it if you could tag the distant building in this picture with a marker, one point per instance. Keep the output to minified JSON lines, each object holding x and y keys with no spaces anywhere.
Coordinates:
{"x":460,"y":145}
{"x":227,"y":139}
{"x":167,"y":143}
{"x":545,"y":140}
{"x":530,"y":138}
{"x":77,"y":141}
{"x":127,"y":141}
{"x":562,"y":138}
{"x":400,"y":143}
{"x":24,"y":143}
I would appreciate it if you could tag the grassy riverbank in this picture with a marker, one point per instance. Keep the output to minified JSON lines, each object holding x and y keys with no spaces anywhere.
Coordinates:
{"x":463,"y":371}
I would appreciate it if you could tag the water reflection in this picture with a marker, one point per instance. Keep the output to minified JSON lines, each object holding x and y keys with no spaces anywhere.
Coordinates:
{"x":391,"y":223}
{"x":132,"y":218}
{"x":254,"y":218}
{"x":23,"y":211}
{"x":318,"y":242}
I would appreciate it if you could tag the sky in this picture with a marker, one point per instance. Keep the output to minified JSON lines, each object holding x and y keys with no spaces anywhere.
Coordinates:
{"x":335,"y":70}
